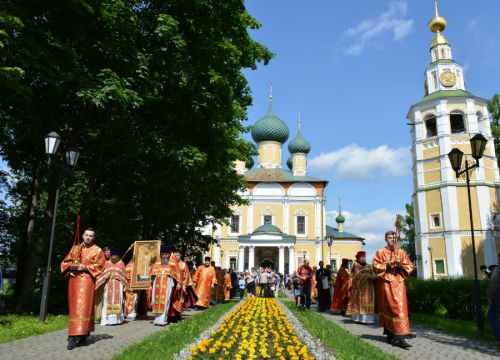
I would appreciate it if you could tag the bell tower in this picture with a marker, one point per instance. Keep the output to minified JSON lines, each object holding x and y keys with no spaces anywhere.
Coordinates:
{"x":447,"y":117}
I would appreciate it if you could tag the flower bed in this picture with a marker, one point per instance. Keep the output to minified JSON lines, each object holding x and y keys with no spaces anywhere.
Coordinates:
{"x":258,"y":329}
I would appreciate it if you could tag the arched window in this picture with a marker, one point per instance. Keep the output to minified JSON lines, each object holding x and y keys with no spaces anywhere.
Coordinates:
{"x":457,"y":123}
{"x":431,"y":126}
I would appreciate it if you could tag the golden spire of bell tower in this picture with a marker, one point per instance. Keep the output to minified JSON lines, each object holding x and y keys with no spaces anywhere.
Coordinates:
{"x":437,"y":25}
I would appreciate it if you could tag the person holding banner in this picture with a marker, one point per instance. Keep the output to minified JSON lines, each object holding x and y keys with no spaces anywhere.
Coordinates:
{"x":81,"y":266}
{"x":392,"y":266}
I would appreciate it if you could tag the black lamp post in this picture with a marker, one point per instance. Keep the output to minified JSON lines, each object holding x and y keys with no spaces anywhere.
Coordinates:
{"x":52,"y":141}
{"x":478,"y":144}
{"x":329,"y":241}
{"x":432,"y":261}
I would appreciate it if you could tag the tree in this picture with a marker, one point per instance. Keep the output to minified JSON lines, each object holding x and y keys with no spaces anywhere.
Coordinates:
{"x":494,"y":109}
{"x":151,"y":93}
{"x":408,"y":229}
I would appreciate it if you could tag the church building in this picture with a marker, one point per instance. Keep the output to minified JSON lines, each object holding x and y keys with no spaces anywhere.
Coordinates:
{"x":285,"y":220}
{"x":447,"y":117}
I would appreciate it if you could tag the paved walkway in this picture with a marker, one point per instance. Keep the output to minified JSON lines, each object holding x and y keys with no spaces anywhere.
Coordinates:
{"x":105,"y":342}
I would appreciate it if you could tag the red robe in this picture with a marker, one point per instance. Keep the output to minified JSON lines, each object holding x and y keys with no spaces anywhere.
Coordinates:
{"x":227,"y":287}
{"x":341,"y":290}
{"x":81,"y":286}
{"x":204,"y":278}
{"x":362,"y":299}
{"x":391,"y":290}
{"x":113,"y":275}
{"x":162,"y":272}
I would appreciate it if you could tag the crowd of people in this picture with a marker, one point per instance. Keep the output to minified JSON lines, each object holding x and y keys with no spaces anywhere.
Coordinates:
{"x":361,"y":292}
{"x":99,"y":288}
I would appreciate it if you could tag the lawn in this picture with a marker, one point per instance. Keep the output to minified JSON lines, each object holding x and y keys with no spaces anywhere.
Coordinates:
{"x":13,"y":327}
{"x":165,"y":344}
{"x":458,"y":327}
{"x":345,"y":345}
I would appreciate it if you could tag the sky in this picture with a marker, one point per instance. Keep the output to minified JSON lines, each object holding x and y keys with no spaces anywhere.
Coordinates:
{"x":353,"y":69}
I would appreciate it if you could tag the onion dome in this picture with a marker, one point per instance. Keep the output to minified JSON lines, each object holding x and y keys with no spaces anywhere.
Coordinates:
{"x":299,"y":145}
{"x":268,"y":229}
{"x":249,"y":163}
{"x":340,"y":218}
{"x":289,"y":163}
{"x":437,"y":25}
{"x":270,"y":128}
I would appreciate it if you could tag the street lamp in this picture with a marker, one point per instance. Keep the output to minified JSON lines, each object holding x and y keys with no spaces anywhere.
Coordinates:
{"x":432,"y":262}
{"x":477,"y":144}
{"x":52,"y":141}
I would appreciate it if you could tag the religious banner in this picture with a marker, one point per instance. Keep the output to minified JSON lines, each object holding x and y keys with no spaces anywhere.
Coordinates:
{"x":146,"y":252}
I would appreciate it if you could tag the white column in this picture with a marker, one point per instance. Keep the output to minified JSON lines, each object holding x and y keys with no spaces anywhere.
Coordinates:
{"x":281,"y":265}
{"x":318,"y":252}
{"x":286,"y":216}
{"x":241,"y":259}
{"x":426,"y":259}
{"x":291,"y":260}
{"x":217,"y":255}
{"x":251,"y":257}
{"x":250,"y":218}
{"x":317,"y":218}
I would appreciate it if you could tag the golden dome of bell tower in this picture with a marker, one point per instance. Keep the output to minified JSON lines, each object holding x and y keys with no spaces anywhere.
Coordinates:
{"x":438,"y":25}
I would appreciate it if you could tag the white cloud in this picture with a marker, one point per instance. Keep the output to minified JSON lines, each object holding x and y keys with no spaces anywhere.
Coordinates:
{"x":358,"y":163}
{"x":366,"y":32}
{"x":371,"y":226}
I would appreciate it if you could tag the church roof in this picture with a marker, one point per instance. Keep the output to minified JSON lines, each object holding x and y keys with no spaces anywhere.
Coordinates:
{"x":267,"y":229}
{"x":337,"y":235}
{"x":270,"y":128}
{"x":278,"y":175}
{"x":444,"y":94}
{"x":299,"y":145}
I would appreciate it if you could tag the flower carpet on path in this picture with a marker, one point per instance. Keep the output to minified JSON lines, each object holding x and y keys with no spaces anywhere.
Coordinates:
{"x":258,"y":329}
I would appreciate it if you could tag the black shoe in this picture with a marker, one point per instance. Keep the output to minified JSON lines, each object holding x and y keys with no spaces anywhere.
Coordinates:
{"x":82,"y":341}
{"x":72,"y":343}
{"x":400,"y":343}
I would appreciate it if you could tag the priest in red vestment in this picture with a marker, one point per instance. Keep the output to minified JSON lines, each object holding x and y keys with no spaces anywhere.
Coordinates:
{"x":205,"y":280}
{"x":392,"y":266}
{"x":186,"y":297}
{"x":114,"y":282}
{"x":166,"y":281}
{"x":361,"y":305}
{"x":81,"y":266}
{"x":341,"y":289}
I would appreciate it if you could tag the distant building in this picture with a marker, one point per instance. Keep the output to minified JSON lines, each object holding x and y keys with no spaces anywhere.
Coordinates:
{"x":447,"y":117}
{"x":285,"y":219}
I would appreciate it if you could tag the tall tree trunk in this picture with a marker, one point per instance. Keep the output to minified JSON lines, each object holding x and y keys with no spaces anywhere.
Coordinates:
{"x":25,"y":300}
{"x":26,"y":240}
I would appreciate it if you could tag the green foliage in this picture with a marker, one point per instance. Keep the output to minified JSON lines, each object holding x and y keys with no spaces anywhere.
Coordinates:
{"x":408,"y":229}
{"x":13,"y":327}
{"x":345,"y":345}
{"x":166,"y":344}
{"x":453,"y":298}
{"x":494,"y":109}
{"x":153,"y":95}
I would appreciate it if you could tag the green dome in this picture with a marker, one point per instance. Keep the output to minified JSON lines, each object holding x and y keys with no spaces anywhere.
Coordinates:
{"x":267,"y":229}
{"x":289,"y":163}
{"x":270,"y":128}
{"x":340,"y":218}
{"x":249,"y":163}
{"x":299,"y":145}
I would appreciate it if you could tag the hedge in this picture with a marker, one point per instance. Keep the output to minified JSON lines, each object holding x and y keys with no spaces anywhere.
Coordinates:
{"x":452,"y":298}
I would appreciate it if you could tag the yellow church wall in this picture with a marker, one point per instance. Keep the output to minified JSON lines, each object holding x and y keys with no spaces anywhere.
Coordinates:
{"x":433,"y":201}
{"x":431,"y":153}
{"x":309,"y":210}
{"x":438,"y":251}
{"x":452,"y":107}
{"x":467,"y":259}
{"x":310,"y":247}
{"x":242,"y":210}
{"x":270,"y":151}
{"x":495,"y":206}
{"x":432,"y":177}
{"x":463,"y":208}
{"x":276,"y":209}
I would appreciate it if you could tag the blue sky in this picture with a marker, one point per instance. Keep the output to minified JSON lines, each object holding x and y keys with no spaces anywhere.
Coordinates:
{"x":354,"y":69}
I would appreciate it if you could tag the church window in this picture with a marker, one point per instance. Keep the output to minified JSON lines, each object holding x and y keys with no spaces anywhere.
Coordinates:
{"x":439,"y":267}
{"x":235,"y":224}
{"x":430,"y":126}
{"x":435,"y":221}
{"x":333,"y":263}
{"x":443,"y":56}
{"x":268,"y":219}
{"x":301,"y":225}
{"x":457,"y":123}
{"x":434,"y":80}
{"x":232,"y":263}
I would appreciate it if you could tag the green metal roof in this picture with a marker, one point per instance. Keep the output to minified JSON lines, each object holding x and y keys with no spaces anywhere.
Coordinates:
{"x":267,"y":229}
{"x":277,"y":175}
{"x":299,"y":145}
{"x":270,"y":128}
{"x":289,"y":163}
{"x":340,"y":218}
{"x":442,"y":94}
{"x":337,"y":235}
{"x":443,"y":61}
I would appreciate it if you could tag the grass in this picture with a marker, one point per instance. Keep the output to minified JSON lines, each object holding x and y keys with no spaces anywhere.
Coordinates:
{"x":345,"y":345}
{"x":282,"y":294}
{"x":13,"y":327}
{"x":165,"y":344}
{"x":458,"y":327}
